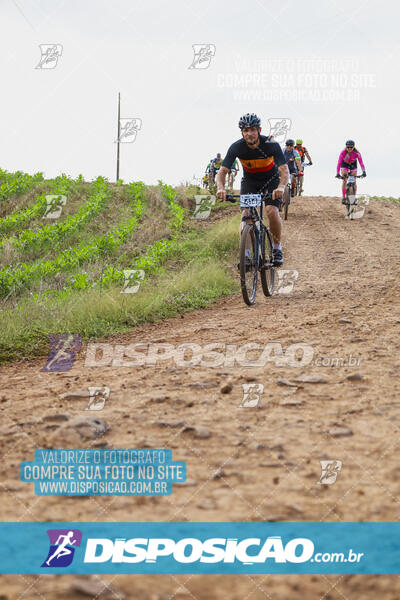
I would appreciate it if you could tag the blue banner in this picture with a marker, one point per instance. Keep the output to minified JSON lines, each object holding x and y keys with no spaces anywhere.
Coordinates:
{"x":189,"y":548}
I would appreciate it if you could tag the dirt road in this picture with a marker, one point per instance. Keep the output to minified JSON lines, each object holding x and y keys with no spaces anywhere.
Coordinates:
{"x":243,"y":463}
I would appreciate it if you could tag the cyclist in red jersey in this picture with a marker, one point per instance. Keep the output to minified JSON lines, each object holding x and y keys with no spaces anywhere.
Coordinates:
{"x":264,"y":172}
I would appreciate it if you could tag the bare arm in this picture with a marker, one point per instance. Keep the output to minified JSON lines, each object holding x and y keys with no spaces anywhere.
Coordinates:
{"x":308,"y":157}
{"x":283,"y":176}
{"x":221,"y":182}
{"x":283,"y":181}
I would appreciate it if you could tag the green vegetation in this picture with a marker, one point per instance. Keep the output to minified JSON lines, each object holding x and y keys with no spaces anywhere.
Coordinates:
{"x":49,"y":233}
{"x":14,"y":280}
{"x":12,"y":184}
{"x":78,"y":290}
{"x":386,"y":199}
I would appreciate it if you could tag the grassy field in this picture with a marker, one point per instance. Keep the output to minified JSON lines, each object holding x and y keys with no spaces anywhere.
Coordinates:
{"x":67,"y":275}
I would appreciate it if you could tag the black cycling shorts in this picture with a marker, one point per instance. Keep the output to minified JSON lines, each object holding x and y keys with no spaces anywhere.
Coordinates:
{"x":351,"y":166}
{"x":250,"y":187}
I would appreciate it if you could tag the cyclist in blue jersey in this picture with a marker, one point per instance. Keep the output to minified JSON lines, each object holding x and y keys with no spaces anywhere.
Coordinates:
{"x":293,"y":160}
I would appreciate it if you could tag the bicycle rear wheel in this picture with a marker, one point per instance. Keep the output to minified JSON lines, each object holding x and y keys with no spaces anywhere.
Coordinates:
{"x":249,"y":263}
{"x":267,"y":269}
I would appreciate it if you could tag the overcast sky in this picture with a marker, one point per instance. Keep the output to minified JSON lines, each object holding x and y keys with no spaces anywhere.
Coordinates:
{"x":331,"y":68}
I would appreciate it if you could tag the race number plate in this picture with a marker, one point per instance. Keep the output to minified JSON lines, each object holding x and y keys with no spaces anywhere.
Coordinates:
{"x":247,"y":200}
{"x":351,"y":179}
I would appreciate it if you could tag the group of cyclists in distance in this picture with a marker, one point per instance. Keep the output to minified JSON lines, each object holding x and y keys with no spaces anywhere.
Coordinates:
{"x":267,"y":170}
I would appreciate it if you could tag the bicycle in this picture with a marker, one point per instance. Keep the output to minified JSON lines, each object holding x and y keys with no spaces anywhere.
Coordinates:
{"x":256,"y":238}
{"x":350,"y":193}
{"x":301,"y":179}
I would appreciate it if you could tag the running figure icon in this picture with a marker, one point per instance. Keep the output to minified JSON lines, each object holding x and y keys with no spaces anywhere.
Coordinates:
{"x":62,"y":549}
{"x":62,"y":351}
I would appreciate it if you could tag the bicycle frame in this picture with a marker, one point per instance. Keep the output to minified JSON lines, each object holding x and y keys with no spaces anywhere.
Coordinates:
{"x":253,"y":209}
{"x":351,"y":179}
{"x":255,"y":217}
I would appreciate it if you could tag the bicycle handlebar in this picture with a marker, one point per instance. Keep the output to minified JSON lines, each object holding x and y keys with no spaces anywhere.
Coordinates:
{"x":356,"y":176}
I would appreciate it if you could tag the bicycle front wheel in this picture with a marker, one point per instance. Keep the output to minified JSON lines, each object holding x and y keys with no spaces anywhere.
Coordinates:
{"x":293,"y":190}
{"x":350,"y":195}
{"x":267,"y":268}
{"x":249,"y":253}
{"x":286,"y":202}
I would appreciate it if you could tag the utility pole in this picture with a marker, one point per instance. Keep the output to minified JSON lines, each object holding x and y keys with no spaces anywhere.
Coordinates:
{"x":119,"y":131}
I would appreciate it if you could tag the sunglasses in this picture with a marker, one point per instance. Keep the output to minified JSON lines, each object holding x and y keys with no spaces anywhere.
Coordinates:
{"x":289,"y":145}
{"x":350,"y":147}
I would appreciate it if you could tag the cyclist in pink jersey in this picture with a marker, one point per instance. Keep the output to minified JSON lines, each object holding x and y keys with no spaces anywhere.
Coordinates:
{"x":347,"y":163}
